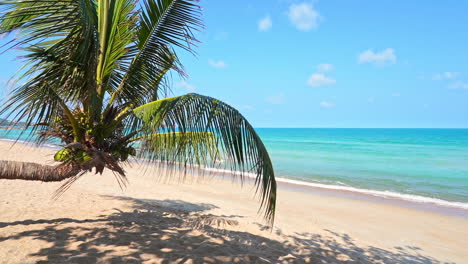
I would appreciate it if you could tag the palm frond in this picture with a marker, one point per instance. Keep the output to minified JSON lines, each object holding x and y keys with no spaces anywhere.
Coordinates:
{"x":58,"y":38}
{"x":194,"y":147}
{"x":116,"y":29}
{"x":163,"y":24}
{"x":169,"y":22}
{"x":37,"y":19}
{"x":37,"y":104}
{"x":143,"y":78}
{"x":191,"y":115}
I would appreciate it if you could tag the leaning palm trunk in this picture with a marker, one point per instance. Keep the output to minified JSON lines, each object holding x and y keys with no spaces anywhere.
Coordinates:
{"x":15,"y":170}
{"x":96,"y":80}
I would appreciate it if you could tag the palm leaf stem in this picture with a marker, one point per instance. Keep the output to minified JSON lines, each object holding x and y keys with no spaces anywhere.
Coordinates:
{"x":103,"y":28}
{"x":73,"y":122}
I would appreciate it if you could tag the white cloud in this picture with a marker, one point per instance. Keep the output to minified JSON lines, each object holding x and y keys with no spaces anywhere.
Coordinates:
{"x":319,"y":79}
{"x":185,"y":85}
{"x":276,"y":99}
{"x":303,"y":16}
{"x":265,"y":24}
{"x":459,"y":85}
{"x":382,"y":58}
{"x":324,"y":67}
{"x":326,"y":104}
{"x":445,"y":76}
{"x":217,"y":64}
{"x":248,"y":107}
{"x":396,"y":94}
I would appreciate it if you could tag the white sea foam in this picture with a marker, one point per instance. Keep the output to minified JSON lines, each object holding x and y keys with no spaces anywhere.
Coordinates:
{"x":24,"y":142}
{"x":381,"y":194}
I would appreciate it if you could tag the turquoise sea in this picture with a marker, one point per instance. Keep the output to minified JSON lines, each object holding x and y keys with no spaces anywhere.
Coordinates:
{"x":416,"y":164}
{"x":431,"y":163}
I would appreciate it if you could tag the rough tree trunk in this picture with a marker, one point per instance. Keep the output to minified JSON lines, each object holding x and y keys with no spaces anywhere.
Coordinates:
{"x":16,"y":170}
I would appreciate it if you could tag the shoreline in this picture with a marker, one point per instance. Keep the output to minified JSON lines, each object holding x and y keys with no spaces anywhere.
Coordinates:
{"x":418,"y":202}
{"x":428,"y":204}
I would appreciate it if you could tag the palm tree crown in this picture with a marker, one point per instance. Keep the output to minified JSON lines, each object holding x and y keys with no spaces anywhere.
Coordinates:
{"x":95,"y":77}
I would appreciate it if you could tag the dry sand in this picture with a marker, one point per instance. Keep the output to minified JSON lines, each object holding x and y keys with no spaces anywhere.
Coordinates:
{"x":208,"y":221}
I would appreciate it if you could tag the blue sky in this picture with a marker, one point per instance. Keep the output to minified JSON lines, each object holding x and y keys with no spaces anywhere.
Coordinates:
{"x":331,"y":63}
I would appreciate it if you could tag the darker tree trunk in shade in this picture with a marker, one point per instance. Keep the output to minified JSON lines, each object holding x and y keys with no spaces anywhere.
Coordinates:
{"x":15,"y":170}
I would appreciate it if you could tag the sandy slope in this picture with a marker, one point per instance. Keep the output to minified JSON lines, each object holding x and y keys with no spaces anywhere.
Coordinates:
{"x":208,"y":221}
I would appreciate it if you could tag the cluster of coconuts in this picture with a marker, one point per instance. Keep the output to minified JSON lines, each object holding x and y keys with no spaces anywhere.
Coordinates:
{"x":67,"y":155}
{"x":79,"y":155}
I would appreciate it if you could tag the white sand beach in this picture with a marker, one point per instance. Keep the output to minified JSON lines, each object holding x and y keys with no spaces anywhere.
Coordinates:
{"x":211,"y":220}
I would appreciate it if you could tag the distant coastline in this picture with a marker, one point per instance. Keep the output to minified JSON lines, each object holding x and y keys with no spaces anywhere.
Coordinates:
{"x":7,"y":124}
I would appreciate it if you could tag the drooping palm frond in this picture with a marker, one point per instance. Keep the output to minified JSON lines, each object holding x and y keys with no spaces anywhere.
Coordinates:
{"x":191,"y":115}
{"x":191,"y":147}
{"x":38,"y":19}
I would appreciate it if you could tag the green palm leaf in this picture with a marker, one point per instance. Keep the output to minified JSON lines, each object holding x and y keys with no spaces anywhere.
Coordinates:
{"x":191,"y":147}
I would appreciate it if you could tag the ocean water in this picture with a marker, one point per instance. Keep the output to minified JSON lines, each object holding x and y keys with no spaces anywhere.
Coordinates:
{"x":431,"y":163}
{"x":424,"y":165}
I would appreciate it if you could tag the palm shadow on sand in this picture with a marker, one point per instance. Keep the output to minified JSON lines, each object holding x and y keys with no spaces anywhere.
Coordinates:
{"x":176,"y":231}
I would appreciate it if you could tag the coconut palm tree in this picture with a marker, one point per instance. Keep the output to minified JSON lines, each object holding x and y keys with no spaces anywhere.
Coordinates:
{"x":96,"y":77}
